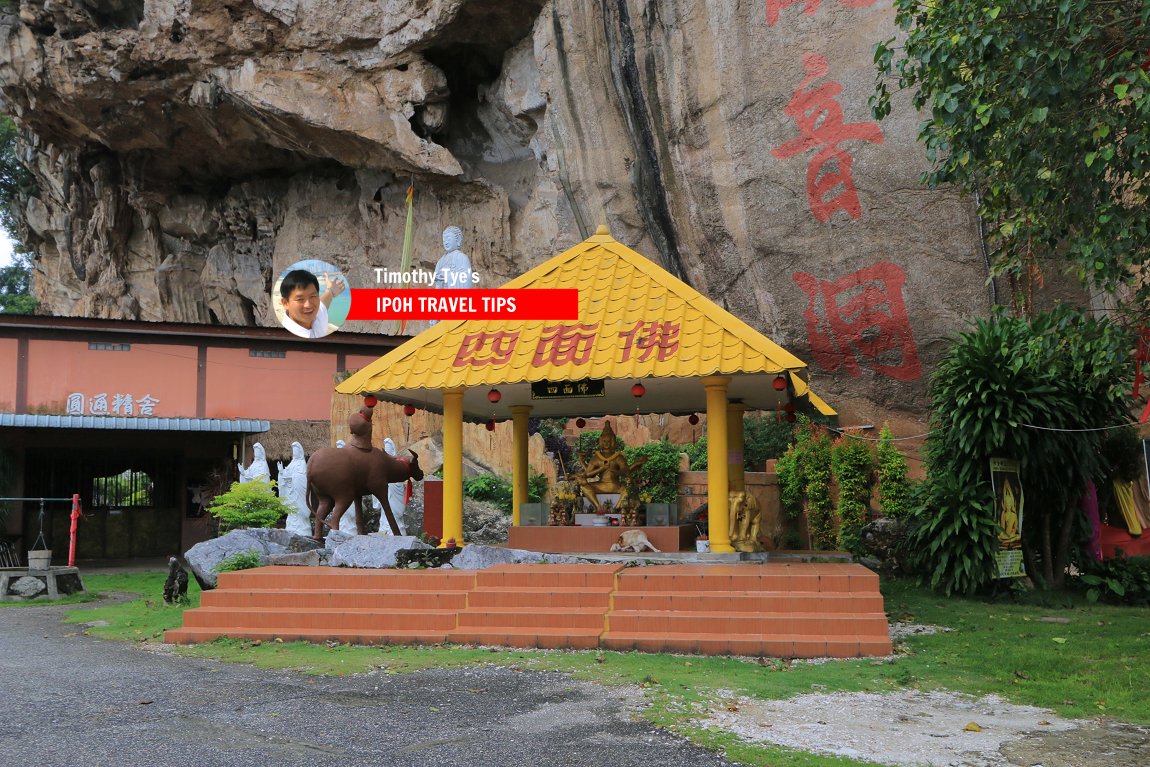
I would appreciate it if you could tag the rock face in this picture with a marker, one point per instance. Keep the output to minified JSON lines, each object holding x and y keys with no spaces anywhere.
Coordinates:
{"x":186,"y":153}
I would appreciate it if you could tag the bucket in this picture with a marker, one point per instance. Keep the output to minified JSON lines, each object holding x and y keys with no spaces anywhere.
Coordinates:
{"x":703,"y":547}
{"x":39,"y":559}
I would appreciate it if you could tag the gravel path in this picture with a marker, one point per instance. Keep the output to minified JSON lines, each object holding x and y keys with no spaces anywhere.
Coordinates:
{"x":70,"y":699}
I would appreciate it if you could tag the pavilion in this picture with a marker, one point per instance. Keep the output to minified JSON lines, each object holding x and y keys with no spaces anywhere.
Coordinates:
{"x":637,"y":324}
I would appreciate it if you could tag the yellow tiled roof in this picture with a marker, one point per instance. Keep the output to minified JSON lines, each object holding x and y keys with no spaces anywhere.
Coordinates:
{"x":619,"y":291}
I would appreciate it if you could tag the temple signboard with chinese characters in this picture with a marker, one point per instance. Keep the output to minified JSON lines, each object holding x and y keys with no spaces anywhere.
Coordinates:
{"x":119,"y":404}
{"x":557,"y":389}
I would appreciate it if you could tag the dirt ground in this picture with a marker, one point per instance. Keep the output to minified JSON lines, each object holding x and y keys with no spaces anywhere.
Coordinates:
{"x":934,"y":728}
{"x":940,"y":729}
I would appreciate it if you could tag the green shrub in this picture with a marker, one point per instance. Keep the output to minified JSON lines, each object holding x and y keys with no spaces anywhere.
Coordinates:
{"x":249,"y":504}
{"x":697,"y":453}
{"x":893,"y":485}
{"x":242,"y":560}
{"x":497,"y":490}
{"x":657,"y":480}
{"x":804,"y":473}
{"x":853,"y":465}
{"x":820,"y":508}
{"x":1122,"y":580}
{"x":490,"y":488}
{"x":1063,"y":372}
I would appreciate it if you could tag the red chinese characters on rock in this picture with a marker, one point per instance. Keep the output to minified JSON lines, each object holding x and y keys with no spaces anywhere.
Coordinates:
{"x":863,"y":314}
{"x":811,"y":6}
{"x":565,"y":344}
{"x":658,"y":338}
{"x":830,"y":186}
{"x":479,"y":349}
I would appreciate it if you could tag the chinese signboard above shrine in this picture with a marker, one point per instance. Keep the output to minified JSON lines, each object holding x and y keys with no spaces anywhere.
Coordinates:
{"x":560,"y":389}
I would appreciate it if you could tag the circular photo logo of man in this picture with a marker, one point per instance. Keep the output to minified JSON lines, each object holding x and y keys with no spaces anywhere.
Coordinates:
{"x":311,"y":298}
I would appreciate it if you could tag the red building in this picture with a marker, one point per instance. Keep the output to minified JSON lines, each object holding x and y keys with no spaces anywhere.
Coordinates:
{"x":141,"y":418}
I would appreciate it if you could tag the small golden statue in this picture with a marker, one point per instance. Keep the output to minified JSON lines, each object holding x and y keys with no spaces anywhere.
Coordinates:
{"x":606,"y":471}
{"x":746,"y":520}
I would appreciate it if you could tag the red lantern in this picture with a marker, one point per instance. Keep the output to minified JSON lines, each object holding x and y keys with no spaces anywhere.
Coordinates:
{"x":638,"y":390}
{"x":693,"y":419}
{"x":370,"y":400}
{"x":580,"y":423}
{"x":789,"y":409}
{"x":490,"y":425}
{"x":494,"y":396}
{"x":409,"y":410}
{"x":780,"y":383}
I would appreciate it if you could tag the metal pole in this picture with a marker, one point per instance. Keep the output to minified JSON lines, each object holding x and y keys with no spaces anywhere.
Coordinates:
{"x":72,"y":530}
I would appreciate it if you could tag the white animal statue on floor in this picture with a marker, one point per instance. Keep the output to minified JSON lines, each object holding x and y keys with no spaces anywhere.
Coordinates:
{"x":258,"y":468}
{"x":633,"y":540}
{"x":292,"y":487}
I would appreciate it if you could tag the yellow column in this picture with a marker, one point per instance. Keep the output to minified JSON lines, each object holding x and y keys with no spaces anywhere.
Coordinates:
{"x":718,"y":518}
{"x":452,"y":466}
{"x":735,"y":459}
{"x":520,"y":414}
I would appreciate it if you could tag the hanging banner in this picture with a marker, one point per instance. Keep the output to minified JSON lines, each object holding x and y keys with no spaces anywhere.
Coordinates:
{"x":1008,"y":511}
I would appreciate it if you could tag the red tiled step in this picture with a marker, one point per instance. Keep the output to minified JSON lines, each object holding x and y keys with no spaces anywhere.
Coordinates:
{"x":320,"y":618}
{"x":746,"y":624}
{"x":837,"y":578}
{"x":749,"y":602}
{"x":547,"y":576}
{"x":491,"y":597}
{"x":799,"y":646}
{"x":573,"y":639}
{"x":546,"y":618}
{"x":340,"y":578}
{"x":194,"y":635}
{"x":302,"y":599}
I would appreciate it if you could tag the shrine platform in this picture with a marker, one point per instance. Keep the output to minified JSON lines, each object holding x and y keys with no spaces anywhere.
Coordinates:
{"x":793,"y":610}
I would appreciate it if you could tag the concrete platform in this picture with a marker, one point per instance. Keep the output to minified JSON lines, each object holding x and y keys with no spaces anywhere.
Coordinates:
{"x":59,"y":581}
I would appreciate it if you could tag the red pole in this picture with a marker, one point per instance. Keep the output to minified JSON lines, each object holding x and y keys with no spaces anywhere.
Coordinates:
{"x":72,"y":530}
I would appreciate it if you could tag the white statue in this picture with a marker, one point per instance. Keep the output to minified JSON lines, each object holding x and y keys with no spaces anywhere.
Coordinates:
{"x":347,"y":521}
{"x":453,"y":270}
{"x":258,"y":468}
{"x":396,"y":497}
{"x":293,"y":489}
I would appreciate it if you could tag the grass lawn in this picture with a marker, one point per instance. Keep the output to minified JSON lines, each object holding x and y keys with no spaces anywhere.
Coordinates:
{"x":1077,"y":658}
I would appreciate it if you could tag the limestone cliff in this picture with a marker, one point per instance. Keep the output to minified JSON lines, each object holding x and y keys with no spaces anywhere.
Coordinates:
{"x":186,"y":151}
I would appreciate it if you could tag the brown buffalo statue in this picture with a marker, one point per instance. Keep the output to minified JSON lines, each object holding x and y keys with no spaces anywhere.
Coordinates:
{"x":337,"y":477}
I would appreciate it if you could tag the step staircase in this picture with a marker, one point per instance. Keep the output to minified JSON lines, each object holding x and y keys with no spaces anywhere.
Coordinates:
{"x":801,"y":610}
{"x":777,"y":610}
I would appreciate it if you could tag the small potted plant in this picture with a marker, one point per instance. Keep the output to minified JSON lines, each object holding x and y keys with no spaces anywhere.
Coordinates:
{"x":702,"y":544}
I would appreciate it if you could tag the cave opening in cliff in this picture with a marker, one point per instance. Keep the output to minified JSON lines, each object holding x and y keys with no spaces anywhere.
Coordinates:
{"x":471,"y":53}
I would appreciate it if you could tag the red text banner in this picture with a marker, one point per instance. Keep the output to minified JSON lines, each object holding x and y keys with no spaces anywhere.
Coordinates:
{"x":472,"y":304}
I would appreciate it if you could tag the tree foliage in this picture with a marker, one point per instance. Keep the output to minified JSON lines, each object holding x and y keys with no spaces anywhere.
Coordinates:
{"x":1044,"y":391}
{"x":249,"y":504}
{"x":1041,"y":108}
